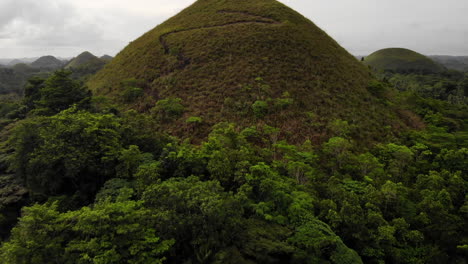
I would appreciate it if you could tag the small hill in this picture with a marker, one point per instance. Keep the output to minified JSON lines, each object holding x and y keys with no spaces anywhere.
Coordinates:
{"x":85,"y":65}
{"x":402,"y":61}
{"x":252,"y":62}
{"x":47,"y":62}
{"x":106,"y":58}
{"x":14,"y":62}
{"x":85,"y":59}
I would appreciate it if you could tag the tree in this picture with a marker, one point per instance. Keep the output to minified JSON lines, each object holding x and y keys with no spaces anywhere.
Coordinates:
{"x":69,"y":152}
{"x":120,"y":231}
{"x":169,"y":109}
{"x":200,"y":216}
{"x":32,"y":91}
{"x":260,"y":108}
{"x":59,"y":92}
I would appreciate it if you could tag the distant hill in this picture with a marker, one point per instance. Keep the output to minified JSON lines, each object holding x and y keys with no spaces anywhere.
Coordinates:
{"x":106,"y":58}
{"x":248,"y":62}
{"x":85,"y":59}
{"x":12,"y":79}
{"x":402,"y":61}
{"x":14,"y":62}
{"x":47,"y":62}
{"x":459,"y":63}
{"x":85,"y":65}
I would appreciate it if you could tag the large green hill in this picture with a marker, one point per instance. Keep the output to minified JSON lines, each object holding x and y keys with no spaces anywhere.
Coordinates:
{"x":402,"y":61}
{"x":221,"y":57}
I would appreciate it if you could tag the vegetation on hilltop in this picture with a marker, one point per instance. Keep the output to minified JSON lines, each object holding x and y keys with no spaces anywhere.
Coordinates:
{"x":401,"y":60}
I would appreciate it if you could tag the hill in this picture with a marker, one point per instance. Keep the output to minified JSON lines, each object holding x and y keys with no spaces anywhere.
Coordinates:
{"x":106,"y":58}
{"x":249,"y":62}
{"x":459,"y":63}
{"x":85,"y":65}
{"x":402,"y":60}
{"x":47,"y":62}
{"x":85,"y":59}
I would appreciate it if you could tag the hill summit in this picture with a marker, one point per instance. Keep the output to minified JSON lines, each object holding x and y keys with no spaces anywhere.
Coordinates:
{"x":250,"y":62}
{"x":402,"y":61}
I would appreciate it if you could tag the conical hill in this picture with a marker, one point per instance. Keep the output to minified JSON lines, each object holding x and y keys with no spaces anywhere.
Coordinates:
{"x":85,"y":59}
{"x":47,"y":62}
{"x":402,"y":60}
{"x":250,"y":62}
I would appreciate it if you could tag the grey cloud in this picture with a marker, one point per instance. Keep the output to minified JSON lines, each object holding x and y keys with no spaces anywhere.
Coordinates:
{"x":47,"y":23}
{"x":66,"y":27}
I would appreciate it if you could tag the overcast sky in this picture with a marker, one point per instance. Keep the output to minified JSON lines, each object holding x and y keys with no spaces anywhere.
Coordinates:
{"x":30,"y":28}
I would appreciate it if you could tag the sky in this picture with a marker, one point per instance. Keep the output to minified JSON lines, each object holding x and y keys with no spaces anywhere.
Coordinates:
{"x":65,"y":28}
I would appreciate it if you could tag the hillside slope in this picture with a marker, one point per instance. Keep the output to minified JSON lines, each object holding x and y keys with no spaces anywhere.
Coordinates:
{"x":226,"y":58}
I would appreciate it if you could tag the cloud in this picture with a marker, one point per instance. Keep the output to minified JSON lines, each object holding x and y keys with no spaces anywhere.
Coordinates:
{"x":68,"y":27}
{"x":52,"y":23}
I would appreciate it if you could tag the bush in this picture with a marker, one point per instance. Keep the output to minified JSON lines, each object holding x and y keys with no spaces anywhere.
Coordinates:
{"x":170,"y":108}
{"x":260,"y":108}
{"x":130,"y":94}
{"x":194,"y":120}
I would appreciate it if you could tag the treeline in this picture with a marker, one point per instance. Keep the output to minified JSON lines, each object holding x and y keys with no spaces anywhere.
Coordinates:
{"x":450,"y":86}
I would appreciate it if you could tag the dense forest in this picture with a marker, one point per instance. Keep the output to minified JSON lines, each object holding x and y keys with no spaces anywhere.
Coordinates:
{"x":99,"y":185}
{"x":235,"y":132}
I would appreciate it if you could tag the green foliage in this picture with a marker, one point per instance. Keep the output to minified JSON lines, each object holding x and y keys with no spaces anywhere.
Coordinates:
{"x":260,"y":108}
{"x":194,"y":120}
{"x":199,"y":215}
{"x":58,"y":93}
{"x":447,"y":86}
{"x":131,"y":90}
{"x":32,"y":91}
{"x":130,"y":94}
{"x":377,"y":88}
{"x":169,"y":109}
{"x":109,"y":232}
{"x":67,"y":152}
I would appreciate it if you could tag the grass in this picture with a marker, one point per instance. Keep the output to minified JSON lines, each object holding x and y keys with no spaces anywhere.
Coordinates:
{"x":219,"y":51}
{"x":402,"y":61}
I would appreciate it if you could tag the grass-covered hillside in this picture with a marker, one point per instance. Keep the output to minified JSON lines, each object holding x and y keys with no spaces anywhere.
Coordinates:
{"x":402,"y":60}
{"x":250,"y":62}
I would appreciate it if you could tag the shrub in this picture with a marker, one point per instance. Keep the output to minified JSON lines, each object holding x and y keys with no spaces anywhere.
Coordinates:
{"x":194,"y":120}
{"x":170,"y":108}
{"x":130,"y":94}
{"x":260,"y":108}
